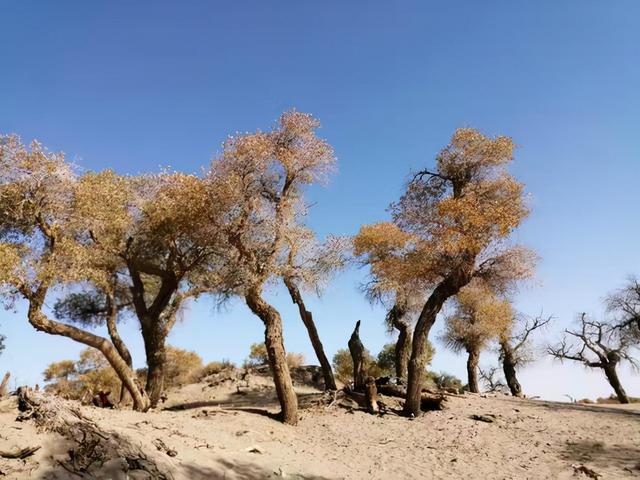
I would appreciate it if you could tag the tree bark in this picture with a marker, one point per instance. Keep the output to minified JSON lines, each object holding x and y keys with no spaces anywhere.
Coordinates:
{"x":116,"y":339}
{"x":307,"y":319}
{"x":4,"y":385}
{"x":357,"y":355}
{"x":614,"y":381}
{"x":472,"y":370}
{"x":156,"y":353}
{"x":40,"y":322}
{"x":276,"y":353}
{"x":450,"y":286}
{"x":403,"y":344}
{"x":371,"y":392}
{"x":509,"y":368}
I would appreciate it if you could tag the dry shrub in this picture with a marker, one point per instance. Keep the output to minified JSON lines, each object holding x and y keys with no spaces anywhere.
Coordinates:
{"x":215,"y":367}
{"x":295,"y":360}
{"x":182,"y":367}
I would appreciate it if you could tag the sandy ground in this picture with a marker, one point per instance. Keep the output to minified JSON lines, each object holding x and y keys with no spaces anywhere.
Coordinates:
{"x":220,"y":434}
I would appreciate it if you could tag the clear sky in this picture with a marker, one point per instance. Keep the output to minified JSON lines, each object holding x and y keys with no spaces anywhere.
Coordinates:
{"x":138,"y":85}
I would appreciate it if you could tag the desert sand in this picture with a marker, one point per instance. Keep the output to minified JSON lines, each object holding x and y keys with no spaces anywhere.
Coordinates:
{"x":210,"y":431}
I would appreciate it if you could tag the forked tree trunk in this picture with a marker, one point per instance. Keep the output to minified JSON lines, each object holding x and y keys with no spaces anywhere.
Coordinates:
{"x":156,"y":353}
{"x":614,"y":381}
{"x":125,"y":374}
{"x":307,"y":319}
{"x":509,"y":368}
{"x":4,"y":386}
{"x":276,"y":354}
{"x":450,"y":286}
{"x":357,"y":355}
{"x":472,"y":370}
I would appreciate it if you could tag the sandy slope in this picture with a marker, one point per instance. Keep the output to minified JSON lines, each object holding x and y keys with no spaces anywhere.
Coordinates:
{"x":222,"y":434}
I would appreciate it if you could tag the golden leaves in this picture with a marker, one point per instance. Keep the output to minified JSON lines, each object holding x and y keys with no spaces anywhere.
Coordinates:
{"x":480,"y":316}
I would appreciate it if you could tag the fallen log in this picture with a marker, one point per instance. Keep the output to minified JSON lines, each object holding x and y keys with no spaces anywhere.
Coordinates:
{"x":428,"y":401}
{"x":20,"y":453}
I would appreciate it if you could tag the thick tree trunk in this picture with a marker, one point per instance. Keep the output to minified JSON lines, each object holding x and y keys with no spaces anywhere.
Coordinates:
{"x":403,"y":344}
{"x":472,"y":370}
{"x":357,"y":355}
{"x":125,"y":374}
{"x":276,"y":353}
{"x":509,"y":368}
{"x":4,"y":386}
{"x":450,"y":286}
{"x":614,"y":381}
{"x":307,"y":319}
{"x":156,"y":353}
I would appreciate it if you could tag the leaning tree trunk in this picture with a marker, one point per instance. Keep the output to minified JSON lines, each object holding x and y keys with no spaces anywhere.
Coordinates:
{"x":156,"y":353}
{"x":614,"y":381}
{"x":450,"y":286}
{"x":509,"y":368}
{"x":116,"y":339}
{"x":472,"y":370}
{"x":357,"y":354}
{"x":125,"y":374}
{"x":276,"y":354}
{"x":307,"y":319}
{"x":403,"y":344}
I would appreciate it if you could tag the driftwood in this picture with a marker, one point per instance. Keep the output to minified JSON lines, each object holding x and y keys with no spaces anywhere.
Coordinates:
{"x":428,"y":401}
{"x":92,"y":446}
{"x":371,"y":395}
{"x":4,"y":386}
{"x":357,"y":354}
{"x":21,"y":453}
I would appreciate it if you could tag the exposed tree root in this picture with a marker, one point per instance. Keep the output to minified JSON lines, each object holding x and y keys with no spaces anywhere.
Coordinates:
{"x":21,"y":453}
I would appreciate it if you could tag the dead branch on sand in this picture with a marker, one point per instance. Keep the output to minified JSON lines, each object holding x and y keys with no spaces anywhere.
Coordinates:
{"x":93,"y":447}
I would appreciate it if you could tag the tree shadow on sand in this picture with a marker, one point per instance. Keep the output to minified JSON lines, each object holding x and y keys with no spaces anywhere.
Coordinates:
{"x":252,"y":402}
{"x":599,"y":455}
{"x":236,"y":470}
{"x":579,"y":407}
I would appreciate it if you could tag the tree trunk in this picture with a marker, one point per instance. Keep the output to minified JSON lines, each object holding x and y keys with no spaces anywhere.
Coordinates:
{"x":472,"y":370}
{"x":614,"y":381}
{"x":125,"y":374}
{"x":307,"y":319}
{"x":276,"y":353}
{"x":156,"y":353}
{"x":403,"y":344}
{"x":116,"y":339}
{"x":509,"y":368}
{"x":450,"y":286}
{"x":357,"y":354}
{"x":371,"y":393}
{"x":4,"y":386}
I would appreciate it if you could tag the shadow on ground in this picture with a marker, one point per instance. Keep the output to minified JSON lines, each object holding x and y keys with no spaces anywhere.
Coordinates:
{"x":599,"y":455}
{"x":580,"y":407}
{"x":229,"y":470}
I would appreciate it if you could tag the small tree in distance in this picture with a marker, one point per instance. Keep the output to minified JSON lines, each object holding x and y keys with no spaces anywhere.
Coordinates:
{"x":479,"y":317}
{"x":516,"y":351}
{"x":597,"y":345}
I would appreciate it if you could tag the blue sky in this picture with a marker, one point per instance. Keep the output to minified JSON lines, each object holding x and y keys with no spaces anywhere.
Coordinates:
{"x":138,"y":85}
